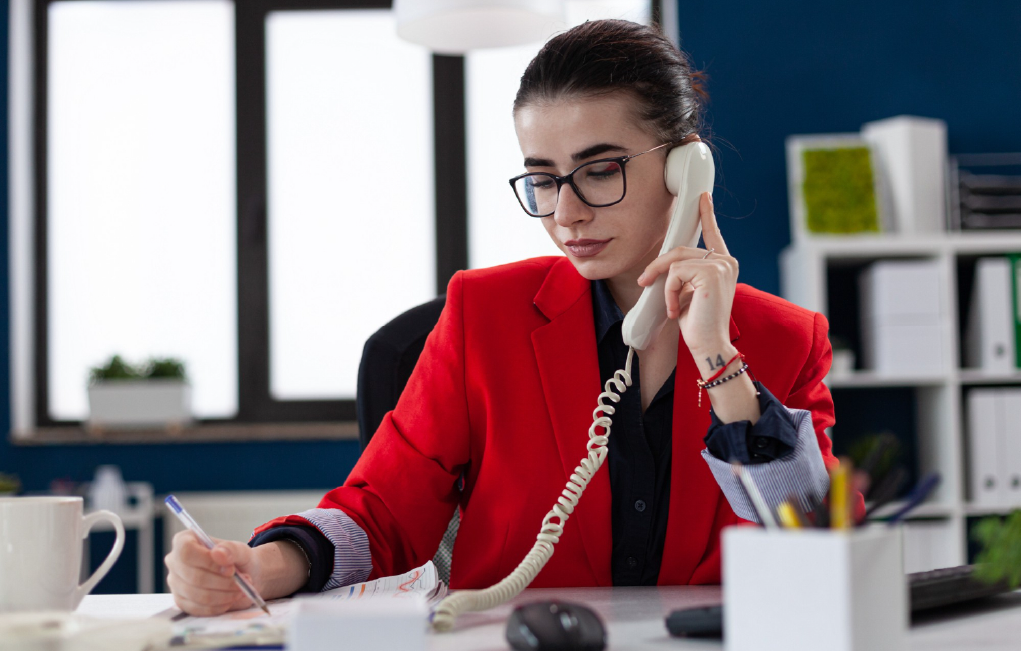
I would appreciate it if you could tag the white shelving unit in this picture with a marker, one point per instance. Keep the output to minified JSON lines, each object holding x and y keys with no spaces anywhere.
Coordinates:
{"x":805,"y":269}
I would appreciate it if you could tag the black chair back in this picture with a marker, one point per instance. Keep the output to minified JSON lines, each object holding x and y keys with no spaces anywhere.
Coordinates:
{"x":388,"y":358}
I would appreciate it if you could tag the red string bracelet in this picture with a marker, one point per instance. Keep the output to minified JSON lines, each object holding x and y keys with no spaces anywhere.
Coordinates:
{"x":715,"y":379}
{"x":724,"y":368}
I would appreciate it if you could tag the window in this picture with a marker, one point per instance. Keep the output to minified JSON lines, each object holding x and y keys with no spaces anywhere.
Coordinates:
{"x":233,"y":182}
{"x":139,"y":208}
{"x":499,"y":231}
{"x":351,"y":207}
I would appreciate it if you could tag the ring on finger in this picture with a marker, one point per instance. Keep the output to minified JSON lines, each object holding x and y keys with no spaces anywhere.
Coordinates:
{"x":708,"y":253}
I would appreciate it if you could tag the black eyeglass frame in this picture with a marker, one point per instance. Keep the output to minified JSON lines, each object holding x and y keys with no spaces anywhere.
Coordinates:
{"x":569,"y":179}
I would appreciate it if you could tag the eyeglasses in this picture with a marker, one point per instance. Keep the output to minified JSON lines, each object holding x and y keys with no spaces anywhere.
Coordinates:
{"x":597,"y":183}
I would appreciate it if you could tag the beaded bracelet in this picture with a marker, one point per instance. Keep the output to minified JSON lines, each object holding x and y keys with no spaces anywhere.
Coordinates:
{"x":703,"y":384}
{"x":723,"y":368}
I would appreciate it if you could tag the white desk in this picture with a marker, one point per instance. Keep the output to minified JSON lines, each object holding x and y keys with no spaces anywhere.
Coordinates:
{"x":634,"y":619}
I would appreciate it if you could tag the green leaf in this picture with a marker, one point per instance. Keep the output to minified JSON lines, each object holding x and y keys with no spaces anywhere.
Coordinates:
{"x":9,"y":483}
{"x":156,"y":367}
{"x":115,"y":369}
{"x":1000,"y":558}
{"x":166,"y":368}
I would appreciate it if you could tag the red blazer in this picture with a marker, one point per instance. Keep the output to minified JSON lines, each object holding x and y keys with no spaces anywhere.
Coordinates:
{"x":504,"y":391}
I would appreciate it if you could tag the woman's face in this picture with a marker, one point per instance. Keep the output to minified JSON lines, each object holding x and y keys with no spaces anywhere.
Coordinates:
{"x":614,"y":240}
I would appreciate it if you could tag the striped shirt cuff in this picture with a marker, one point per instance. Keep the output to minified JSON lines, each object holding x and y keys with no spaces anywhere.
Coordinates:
{"x":352,"y":561}
{"x":801,"y":473}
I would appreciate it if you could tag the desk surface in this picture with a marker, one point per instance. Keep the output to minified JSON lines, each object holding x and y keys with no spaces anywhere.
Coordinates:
{"x":634,"y":618}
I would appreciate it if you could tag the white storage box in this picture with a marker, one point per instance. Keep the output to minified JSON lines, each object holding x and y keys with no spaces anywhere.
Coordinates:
{"x":903,"y":317}
{"x":811,"y":589}
{"x":909,"y":289}
{"x":903,"y":348}
{"x":911,"y":157}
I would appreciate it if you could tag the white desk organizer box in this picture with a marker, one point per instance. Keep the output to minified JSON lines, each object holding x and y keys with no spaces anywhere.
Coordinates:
{"x":329,"y":624}
{"x":811,"y":589}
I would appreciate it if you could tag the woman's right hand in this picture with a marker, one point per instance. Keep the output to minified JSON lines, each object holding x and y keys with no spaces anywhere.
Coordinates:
{"x":202,"y":580}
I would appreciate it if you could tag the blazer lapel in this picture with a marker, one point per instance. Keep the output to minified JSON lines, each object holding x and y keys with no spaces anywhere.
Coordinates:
{"x":565,"y":350}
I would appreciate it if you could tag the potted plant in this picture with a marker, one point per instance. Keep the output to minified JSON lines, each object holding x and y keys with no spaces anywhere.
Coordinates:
{"x":1000,"y":558}
{"x":153,"y":395}
{"x":9,"y":484}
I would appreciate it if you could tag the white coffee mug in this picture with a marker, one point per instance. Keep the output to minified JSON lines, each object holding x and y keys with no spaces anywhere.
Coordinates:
{"x":41,"y":552}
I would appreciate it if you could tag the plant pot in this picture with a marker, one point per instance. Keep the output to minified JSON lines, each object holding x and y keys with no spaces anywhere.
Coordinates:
{"x":139,"y":404}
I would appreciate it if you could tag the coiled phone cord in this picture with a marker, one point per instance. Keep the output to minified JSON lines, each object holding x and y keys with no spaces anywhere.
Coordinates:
{"x":464,"y":601}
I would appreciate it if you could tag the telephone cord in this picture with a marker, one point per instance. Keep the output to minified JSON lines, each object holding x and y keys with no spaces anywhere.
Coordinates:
{"x":464,"y":601}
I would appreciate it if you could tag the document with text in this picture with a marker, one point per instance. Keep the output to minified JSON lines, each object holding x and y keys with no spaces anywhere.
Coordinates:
{"x":254,"y":627}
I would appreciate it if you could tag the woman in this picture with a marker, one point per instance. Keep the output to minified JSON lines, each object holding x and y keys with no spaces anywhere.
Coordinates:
{"x":502,"y":397}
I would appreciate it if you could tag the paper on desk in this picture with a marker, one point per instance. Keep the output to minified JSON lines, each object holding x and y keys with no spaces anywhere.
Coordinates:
{"x":252,"y":626}
{"x":421,"y":581}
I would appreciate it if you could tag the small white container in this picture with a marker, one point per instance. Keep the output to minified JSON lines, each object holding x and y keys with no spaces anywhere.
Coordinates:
{"x":811,"y":589}
{"x":139,"y":404}
{"x":108,"y":491}
{"x":326,"y":624}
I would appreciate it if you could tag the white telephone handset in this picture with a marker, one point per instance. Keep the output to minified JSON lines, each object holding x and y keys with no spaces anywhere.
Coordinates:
{"x":689,"y":173}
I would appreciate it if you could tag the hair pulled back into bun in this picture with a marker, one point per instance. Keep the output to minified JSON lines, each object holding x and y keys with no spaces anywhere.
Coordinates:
{"x":608,"y":56}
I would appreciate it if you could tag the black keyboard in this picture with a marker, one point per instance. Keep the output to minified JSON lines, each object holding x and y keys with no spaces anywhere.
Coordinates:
{"x":952,"y":585}
{"x":928,"y":590}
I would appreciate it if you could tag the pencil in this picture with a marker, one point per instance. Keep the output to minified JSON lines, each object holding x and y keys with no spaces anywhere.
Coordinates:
{"x":839,"y":502}
{"x":788,"y":516}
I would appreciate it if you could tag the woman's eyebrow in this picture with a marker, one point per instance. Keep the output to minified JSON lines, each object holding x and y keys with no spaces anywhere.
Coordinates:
{"x":595,"y":150}
{"x":588,"y":152}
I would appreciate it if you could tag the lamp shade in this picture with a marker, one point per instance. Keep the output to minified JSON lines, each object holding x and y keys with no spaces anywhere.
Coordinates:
{"x":457,"y":26}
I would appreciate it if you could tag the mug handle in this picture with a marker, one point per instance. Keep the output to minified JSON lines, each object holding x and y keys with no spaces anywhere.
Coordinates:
{"x":111,"y":558}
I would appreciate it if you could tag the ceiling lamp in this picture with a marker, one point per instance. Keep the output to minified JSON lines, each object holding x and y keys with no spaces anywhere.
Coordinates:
{"x":457,"y":26}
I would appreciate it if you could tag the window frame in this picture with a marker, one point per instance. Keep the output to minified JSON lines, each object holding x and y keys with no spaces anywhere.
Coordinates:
{"x":255,"y":401}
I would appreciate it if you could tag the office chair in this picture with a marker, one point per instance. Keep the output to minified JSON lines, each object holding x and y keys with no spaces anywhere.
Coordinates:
{"x":388,"y":358}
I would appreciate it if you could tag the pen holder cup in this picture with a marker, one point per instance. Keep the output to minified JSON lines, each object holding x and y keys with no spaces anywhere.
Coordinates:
{"x":810,"y":589}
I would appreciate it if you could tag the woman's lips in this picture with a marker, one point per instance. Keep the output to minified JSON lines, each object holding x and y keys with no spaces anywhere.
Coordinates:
{"x":585,"y":248}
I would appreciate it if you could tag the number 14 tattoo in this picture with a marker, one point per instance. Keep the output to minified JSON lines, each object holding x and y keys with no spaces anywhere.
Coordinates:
{"x":715,"y":364}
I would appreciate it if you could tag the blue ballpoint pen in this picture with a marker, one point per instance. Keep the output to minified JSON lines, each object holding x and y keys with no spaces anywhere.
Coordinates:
{"x":189,"y":522}
{"x":916,"y":497}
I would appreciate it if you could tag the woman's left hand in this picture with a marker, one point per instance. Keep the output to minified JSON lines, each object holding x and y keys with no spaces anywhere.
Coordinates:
{"x":699,"y":289}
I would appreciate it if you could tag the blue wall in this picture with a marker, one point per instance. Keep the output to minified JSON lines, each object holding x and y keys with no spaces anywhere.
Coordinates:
{"x":776,"y":69}
{"x":804,"y":66}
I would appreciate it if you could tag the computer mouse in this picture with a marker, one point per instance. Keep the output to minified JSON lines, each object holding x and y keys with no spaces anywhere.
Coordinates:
{"x":555,"y":626}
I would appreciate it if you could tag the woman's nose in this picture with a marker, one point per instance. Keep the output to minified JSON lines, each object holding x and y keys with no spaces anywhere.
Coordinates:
{"x":570,"y":209}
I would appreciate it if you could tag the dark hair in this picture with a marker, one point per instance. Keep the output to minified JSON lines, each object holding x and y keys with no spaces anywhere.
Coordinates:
{"x":607,"y":56}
